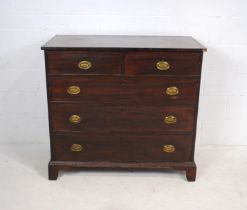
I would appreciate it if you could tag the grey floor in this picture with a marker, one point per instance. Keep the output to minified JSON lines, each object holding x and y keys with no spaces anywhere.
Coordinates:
{"x":221,"y":183}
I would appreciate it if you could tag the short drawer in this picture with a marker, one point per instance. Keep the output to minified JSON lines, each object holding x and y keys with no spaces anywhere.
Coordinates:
{"x":81,"y":62}
{"x":124,"y":148}
{"x":126,"y":118}
{"x":128,"y":90}
{"x":163,"y":63}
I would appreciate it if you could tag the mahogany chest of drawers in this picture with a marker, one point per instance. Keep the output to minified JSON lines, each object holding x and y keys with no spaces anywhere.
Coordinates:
{"x":122,"y":102}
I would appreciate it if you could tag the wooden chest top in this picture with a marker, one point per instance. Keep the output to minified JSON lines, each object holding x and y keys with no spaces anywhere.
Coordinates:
{"x":104,"y":42}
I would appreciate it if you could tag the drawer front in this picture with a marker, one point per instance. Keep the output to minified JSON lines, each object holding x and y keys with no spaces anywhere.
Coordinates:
{"x":130,"y":90}
{"x":124,"y":148}
{"x":93,"y":117}
{"x":80,"y":62}
{"x":157,"y":91}
{"x":163,"y":63}
{"x":98,"y":89}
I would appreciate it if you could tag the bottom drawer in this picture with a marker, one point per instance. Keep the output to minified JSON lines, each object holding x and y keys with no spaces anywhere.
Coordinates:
{"x":122,"y":148}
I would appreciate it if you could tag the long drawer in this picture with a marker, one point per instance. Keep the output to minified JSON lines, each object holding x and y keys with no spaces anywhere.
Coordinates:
{"x":90,"y":117}
{"x":131,"y":90}
{"x":124,"y":148}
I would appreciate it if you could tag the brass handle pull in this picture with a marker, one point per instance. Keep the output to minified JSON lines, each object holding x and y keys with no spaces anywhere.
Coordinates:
{"x":172,"y":91}
{"x":169,"y":148}
{"x":170,"y":119}
{"x":85,"y":65}
{"x":73,"y":90}
{"x":75,"y":119}
{"x":76,"y":148}
{"x":162,"y":65}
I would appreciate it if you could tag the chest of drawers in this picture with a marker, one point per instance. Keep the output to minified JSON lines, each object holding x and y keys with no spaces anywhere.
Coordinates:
{"x":122,"y":102}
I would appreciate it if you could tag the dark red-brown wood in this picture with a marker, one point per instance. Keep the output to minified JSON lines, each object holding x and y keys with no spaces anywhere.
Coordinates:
{"x":181,"y":63}
{"x":124,"y":90}
{"x":121,"y":118}
{"x":121,"y":43}
{"x":60,"y":62}
{"x":123,"y":102}
{"x":122,"y":148}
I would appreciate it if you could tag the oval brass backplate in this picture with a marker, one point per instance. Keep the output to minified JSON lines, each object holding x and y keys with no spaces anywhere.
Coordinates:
{"x":168,"y":148}
{"x":162,"y":65}
{"x":172,"y":91}
{"x":76,"y":148}
{"x":75,"y":119}
{"x":84,"y":65}
{"x":73,"y":90}
{"x":170,"y":119}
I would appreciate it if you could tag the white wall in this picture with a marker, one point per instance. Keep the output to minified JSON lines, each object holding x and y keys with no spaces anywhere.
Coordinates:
{"x":221,"y":25}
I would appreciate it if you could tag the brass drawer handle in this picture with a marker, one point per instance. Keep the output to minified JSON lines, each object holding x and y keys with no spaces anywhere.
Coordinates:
{"x":76,"y":148}
{"x":169,"y":148}
{"x":172,"y":91}
{"x":162,"y":65}
{"x":73,"y":90}
{"x":75,"y":119}
{"x":170,"y":119}
{"x":85,"y":65}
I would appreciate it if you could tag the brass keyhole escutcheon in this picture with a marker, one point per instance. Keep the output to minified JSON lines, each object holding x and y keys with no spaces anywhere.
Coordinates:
{"x":170,"y":119}
{"x":76,"y":148}
{"x":162,"y":65}
{"x":168,"y":148}
{"x":73,"y":90}
{"x":75,"y":119}
{"x":172,"y":91}
{"x":84,"y":65}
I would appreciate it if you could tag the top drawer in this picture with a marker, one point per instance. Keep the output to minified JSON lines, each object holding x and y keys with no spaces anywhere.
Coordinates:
{"x":163,"y":63}
{"x":82,"y":62}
